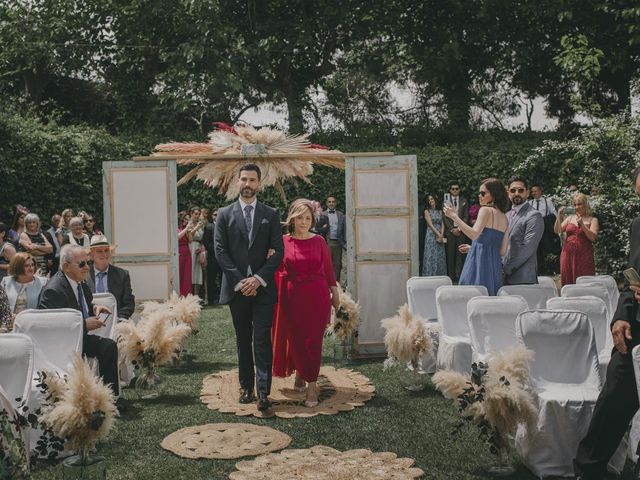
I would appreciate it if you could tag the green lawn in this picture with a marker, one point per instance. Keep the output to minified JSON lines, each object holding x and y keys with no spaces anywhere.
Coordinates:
{"x":416,"y":425}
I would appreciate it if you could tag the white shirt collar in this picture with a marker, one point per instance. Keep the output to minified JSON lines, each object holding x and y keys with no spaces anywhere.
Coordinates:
{"x":74,"y":286}
{"x":244,"y":204}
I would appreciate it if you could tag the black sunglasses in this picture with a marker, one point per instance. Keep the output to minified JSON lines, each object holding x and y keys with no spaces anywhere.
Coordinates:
{"x":82,"y":263}
{"x":514,"y":190}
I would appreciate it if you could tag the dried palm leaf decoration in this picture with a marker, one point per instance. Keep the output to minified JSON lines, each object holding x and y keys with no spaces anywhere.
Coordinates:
{"x":271,"y":149}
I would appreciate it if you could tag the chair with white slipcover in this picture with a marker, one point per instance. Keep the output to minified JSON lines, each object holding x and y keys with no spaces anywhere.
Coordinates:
{"x":492,"y":324}
{"x":585,"y":289}
{"x":16,"y":372}
{"x":596,"y":310}
{"x":608,"y":282}
{"x":549,"y":284}
{"x":534,"y":294}
{"x":421,"y":295}
{"x":106,"y":299}
{"x":454,"y":351}
{"x":566,"y":377}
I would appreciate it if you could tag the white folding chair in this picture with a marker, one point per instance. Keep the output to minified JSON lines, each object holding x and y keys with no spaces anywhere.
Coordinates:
{"x":454,"y":350}
{"x":566,"y":377}
{"x":16,"y":372}
{"x":589,"y":289}
{"x":421,"y":295}
{"x":549,"y":284}
{"x":596,"y":310}
{"x":106,"y":300}
{"x":606,"y":281}
{"x":535,"y":295}
{"x":492,"y":324}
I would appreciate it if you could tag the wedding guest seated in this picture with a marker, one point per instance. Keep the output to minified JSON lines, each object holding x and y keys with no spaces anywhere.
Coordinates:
{"x":76,"y":235}
{"x":63,"y":229}
{"x":7,"y":250}
{"x":105,"y":277}
{"x":5,"y":312}
{"x":90,"y":227}
{"x":34,"y":242}
{"x":67,"y":289}
{"x":22,"y":285}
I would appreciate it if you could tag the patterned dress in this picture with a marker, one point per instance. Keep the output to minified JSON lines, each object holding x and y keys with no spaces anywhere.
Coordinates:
{"x":434,"y":258}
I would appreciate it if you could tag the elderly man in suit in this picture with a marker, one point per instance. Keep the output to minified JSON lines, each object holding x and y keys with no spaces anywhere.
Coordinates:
{"x":455,"y":237}
{"x":105,"y":277}
{"x":336,"y":235}
{"x":618,"y":399}
{"x":246,"y":233}
{"x":526,"y":227}
{"x":67,"y":289}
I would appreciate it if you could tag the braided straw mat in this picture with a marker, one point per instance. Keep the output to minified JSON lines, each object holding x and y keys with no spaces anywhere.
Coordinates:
{"x":225,"y":440}
{"x":325,"y":463}
{"x":340,"y":390}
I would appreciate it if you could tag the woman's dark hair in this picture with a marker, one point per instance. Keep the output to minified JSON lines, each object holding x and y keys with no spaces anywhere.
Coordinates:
{"x":20,"y":212}
{"x":194,"y":208}
{"x":4,"y":229}
{"x":252,"y":167}
{"x":498,"y":192}
{"x":427,"y":206}
{"x":181,"y":216}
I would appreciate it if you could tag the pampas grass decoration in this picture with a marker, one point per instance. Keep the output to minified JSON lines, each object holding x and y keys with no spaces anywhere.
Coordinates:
{"x":406,"y":337}
{"x":222,"y":172}
{"x":186,"y":310}
{"x":347,"y":319}
{"x":84,"y":409}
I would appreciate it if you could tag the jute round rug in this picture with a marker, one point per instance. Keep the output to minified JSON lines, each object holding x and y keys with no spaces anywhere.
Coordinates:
{"x":340,"y":390}
{"x":325,"y":463}
{"x":225,"y":440}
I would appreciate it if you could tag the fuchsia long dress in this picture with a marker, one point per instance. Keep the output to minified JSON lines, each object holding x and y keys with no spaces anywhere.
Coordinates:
{"x":576,"y":258}
{"x":184,"y":265}
{"x":304,"y":307}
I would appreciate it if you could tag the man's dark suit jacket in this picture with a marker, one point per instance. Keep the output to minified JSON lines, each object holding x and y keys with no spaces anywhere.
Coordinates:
{"x":342,"y":227}
{"x":235,"y":251}
{"x":57,"y":293}
{"x":627,"y":306}
{"x":321,"y":226}
{"x":119,"y":285}
{"x":463,"y":213}
{"x":207,"y":238}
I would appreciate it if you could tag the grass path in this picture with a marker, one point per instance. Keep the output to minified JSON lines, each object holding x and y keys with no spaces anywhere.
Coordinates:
{"x":416,"y":425}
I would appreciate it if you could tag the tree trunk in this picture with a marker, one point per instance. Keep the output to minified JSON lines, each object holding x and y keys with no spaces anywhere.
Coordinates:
{"x":34,"y":84}
{"x":294,"y":107}
{"x":458,"y":100}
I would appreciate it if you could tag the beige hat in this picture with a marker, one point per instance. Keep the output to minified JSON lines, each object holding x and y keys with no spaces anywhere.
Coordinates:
{"x":100,"y":241}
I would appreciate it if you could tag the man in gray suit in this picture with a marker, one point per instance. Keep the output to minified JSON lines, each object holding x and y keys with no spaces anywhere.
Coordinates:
{"x":526,"y":227}
{"x":336,"y":235}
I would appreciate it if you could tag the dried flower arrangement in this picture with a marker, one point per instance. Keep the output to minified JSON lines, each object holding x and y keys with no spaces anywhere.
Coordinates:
{"x":406,"y":338}
{"x":346,"y":319}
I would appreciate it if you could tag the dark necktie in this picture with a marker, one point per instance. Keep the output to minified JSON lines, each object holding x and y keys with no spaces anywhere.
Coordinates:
{"x":100,"y":283}
{"x":83,"y":304}
{"x":537,"y":204}
{"x":247,"y":218}
{"x":455,"y":203}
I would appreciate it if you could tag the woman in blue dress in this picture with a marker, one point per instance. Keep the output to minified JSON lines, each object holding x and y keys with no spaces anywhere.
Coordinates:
{"x":483,"y":265}
{"x":434,"y":259}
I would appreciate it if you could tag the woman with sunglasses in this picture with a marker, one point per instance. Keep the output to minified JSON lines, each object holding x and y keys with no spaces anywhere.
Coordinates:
{"x":90,"y":227}
{"x":483,"y":265}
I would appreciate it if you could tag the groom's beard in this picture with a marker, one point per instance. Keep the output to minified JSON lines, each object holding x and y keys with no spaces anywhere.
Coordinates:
{"x":248,"y":192}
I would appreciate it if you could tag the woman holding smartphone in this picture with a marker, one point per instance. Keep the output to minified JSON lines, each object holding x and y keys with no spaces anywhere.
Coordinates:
{"x":581,"y":228}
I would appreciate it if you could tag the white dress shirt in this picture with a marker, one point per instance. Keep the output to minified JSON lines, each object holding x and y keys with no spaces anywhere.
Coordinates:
{"x":543,"y":205}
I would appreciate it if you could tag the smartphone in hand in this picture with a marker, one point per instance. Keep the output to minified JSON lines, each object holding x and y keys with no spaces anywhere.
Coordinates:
{"x":632,"y":276}
{"x":570,"y":210}
{"x":103,"y":317}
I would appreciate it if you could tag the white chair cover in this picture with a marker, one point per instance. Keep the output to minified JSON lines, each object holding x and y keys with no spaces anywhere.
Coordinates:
{"x":608,"y":282}
{"x":591,"y":289}
{"x":549,"y":284}
{"x":421,"y":295}
{"x":634,"y":434}
{"x":16,"y":366}
{"x":492,"y":324}
{"x":596,"y":310}
{"x":565,"y":375}
{"x":535,"y":295}
{"x":8,"y":404}
{"x":454,"y":350}
{"x":106,"y":300}
{"x":56,"y":336}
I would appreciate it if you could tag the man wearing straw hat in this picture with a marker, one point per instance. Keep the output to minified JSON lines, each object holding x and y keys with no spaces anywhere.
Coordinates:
{"x":245,"y":232}
{"x":105,"y":277}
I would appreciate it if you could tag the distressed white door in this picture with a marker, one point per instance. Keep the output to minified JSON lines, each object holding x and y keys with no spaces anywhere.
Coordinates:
{"x":382,"y":239}
{"x":140,"y":205}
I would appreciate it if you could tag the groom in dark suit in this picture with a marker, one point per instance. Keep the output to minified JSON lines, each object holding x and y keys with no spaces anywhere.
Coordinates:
{"x":245,"y":231}
{"x":618,"y":399}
